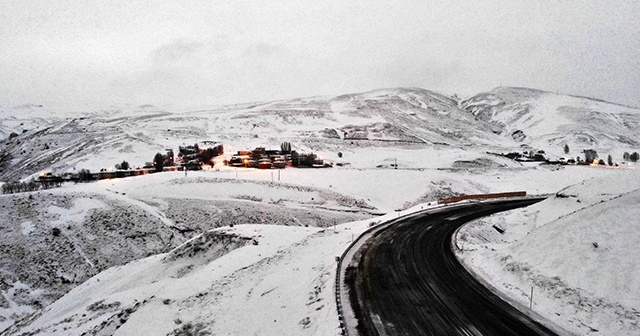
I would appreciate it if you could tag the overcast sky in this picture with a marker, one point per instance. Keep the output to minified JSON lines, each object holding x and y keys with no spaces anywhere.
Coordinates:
{"x":95,"y":54}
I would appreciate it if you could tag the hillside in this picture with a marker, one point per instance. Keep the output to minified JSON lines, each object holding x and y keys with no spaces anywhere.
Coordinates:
{"x":55,"y":240}
{"x":543,"y":119}
{"x":110,"y":256}
{"x":576,"y":250}
{"x":284,"y":284}
{"x":391,"y":117}
{"x":378,"y":118}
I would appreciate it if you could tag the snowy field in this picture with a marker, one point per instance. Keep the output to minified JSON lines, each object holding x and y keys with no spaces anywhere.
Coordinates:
{"x":283,"y":285}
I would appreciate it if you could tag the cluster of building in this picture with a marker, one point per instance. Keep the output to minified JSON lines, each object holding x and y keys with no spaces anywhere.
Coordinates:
{"x":262,"y":158}
{"x":525,"y":156}
{"x":194,"y":157}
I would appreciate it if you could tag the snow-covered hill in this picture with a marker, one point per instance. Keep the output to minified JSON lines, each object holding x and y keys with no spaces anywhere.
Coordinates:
{"x":54,"y":240}
{"x":377,"y":118}
{"x":110,"y":257}
{"x":548,"y":120}
{"x":388,"y":118}
{"x":219,"y":282}
{"x":24,"y":118}
{"x":577,"y":250}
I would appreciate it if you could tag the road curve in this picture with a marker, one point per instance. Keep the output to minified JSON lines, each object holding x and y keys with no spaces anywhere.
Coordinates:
{"x":408,"y":281}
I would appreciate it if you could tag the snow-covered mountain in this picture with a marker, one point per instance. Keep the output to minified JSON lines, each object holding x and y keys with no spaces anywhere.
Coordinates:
{"x":114,"y":256}
{"x":23,"y":118}
{"x":378,"y":118}
{"x":318,"y":123}
{"x":543,"y":119}
{"x":104,"y":139}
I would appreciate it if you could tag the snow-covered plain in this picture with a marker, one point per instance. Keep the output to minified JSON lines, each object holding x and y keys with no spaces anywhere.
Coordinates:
{"x":252,"y":252}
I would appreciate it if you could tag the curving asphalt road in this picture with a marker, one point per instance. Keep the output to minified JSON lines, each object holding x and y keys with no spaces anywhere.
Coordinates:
{"x":409,"y":282}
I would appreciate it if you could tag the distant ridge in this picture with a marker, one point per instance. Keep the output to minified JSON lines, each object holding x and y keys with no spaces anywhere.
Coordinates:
{"x":562,"y":94}
{"x":543,"y":119}
{"x":503,"y":119}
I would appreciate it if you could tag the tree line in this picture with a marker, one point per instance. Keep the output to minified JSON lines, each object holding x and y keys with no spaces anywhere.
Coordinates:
{"x":18,"y":186}
{"x":591,"y":155}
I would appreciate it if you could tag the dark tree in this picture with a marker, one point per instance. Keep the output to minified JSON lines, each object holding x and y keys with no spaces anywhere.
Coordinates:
{"x":626,"y":156}
{"x":566,"y":149}
{"x":158,"y":162}
{"x":84,"y":175}
{"x":634,"y":157}
{"x":206,"y":156}
{"x":124,"y":165}
{"x":339,"y":154}
{"x":609,"y":160}
{"x":295,"y":159}
{"x":307,"y":160}
{"x":601,"y":162}
{"x":590,"y":155}
{"x":285,"y":148}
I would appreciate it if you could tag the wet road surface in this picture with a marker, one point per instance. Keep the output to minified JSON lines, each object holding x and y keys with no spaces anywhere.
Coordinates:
{"x":409,"y":282}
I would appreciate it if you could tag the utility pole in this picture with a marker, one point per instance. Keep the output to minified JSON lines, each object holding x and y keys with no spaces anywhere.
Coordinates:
{"x":531,"y":300}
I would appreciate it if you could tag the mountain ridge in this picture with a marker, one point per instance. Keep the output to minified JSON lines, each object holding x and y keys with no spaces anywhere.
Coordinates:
{"x":502,"y":119}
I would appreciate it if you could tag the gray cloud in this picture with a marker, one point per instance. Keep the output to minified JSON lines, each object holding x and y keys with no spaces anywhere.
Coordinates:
{"x":175,"y":51}
{"x":182,"y":54}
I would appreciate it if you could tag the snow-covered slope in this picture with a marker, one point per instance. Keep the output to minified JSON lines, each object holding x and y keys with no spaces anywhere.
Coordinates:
{"x":381,"y":118}
{"x":52,"y":241}
{"x":543,"y":119}
{"x":24,"y":118}
{"x":111,"y":222}
{"x":577,"y":249}
{"x":245,"y":280}
{"x":377,"y":118}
